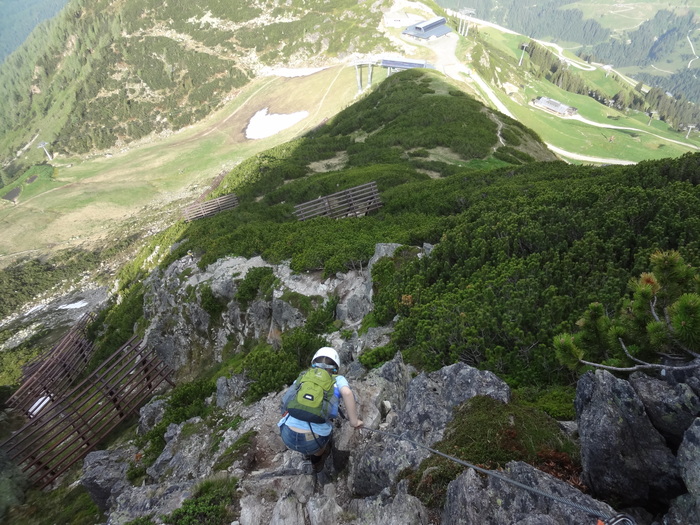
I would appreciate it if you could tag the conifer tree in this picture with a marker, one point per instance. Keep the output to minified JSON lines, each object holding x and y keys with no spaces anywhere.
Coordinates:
{"x":658,"y":326}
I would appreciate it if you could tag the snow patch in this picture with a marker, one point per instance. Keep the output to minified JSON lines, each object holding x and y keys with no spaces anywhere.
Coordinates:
{"x":72,"y":306}
{"x":263,"y":125}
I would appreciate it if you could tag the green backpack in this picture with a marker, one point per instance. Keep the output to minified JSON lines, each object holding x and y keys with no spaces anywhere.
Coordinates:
{"x":312,"y":397}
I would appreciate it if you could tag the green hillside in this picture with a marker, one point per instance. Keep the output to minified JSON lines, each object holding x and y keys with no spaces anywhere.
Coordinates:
{"x":103,"y":74}
{"x":520,"y":250}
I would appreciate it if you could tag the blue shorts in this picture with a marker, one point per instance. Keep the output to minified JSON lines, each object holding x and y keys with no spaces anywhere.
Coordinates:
{"x":307,"y":443}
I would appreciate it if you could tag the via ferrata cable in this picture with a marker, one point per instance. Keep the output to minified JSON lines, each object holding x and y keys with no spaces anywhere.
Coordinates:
{"x":618,"y":519}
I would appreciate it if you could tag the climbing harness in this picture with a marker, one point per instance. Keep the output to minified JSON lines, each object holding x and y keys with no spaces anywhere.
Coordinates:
{"x":618,"y":519}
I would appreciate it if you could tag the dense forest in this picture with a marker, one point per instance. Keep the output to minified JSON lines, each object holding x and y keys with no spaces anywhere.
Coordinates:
{"x":521,"y":247}
{"x":19,"y":17}
{"x":684,"y":83}
{"x":653,"y":41}
{"x":543,"y":20}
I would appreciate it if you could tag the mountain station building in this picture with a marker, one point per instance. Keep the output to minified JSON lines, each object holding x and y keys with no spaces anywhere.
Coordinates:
{"x":427,"y":29}
{"x":554,"y":106}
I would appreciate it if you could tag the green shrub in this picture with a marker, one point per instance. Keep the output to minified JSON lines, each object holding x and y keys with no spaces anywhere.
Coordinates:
{"x":257,"y":282}
{"x":212,"y":304}
{"x":213,"y":503}
{"x":375,"y":357}
{"x":301,"y":344}
{"x":320,"y":320}
{"x":144,"y":520}
{"x":118,"y":322}
{"x":557,"y":401}
{"x":186,"y":401}
{"x":66,"y":505}
{"x":270,"y":369}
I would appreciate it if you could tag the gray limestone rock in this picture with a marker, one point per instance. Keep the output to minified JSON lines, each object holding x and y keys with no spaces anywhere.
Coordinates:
{"x":230,"y":388}
{"x":386,"y":510}
{"x":104,"y":475}
{"x":473,"y":498}
{"x":671,"y":407}
{"x":427,"y":410}
{"x":688,"y":455}
{"x":186,"y":455}
{"x":623,"y":456}
{"x":149,"y":500}
{"x":150,"y":415}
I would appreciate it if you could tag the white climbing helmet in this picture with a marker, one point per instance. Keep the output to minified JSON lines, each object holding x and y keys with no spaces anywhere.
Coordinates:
{"x":328,"y":352}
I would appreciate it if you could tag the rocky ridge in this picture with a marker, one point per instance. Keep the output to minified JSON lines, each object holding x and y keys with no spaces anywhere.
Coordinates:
{"x":638,"y":437}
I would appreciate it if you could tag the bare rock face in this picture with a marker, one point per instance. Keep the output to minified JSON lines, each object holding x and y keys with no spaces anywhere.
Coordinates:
{"x":186,"y":455}
{"x":104,"y":474}
{"x":386,"y":510}
{"x":623,"y":456}
{"x":473,"y":498}
{"x":671,"y":407}
{"x":149,"y":500}
{"x":686,"y":508}
{"x":427,"y":411}
{"x":150,"y":415}
{"x":182,"y":332}
{"x":231,"y":388}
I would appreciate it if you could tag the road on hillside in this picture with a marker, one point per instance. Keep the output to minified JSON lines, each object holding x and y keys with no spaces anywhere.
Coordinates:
{"x":446,"y":61}
{"x":445,"y":50}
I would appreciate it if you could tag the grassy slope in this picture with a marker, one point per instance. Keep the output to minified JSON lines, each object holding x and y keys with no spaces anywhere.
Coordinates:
{"x":85,"y":197}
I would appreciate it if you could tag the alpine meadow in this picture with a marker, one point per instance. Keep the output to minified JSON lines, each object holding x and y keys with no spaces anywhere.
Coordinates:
{"x":530,"y":249}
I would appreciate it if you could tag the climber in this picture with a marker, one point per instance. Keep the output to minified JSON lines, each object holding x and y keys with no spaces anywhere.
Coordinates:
{"x":311,"y":403}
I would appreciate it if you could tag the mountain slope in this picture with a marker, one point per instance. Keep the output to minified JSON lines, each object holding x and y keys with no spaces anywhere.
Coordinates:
{"x":106,"y":73}
{"x":651,"y":41}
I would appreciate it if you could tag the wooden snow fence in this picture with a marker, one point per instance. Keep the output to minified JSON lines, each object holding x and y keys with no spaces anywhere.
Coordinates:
{"x":63,"y":434}
{"x":353,"y":202}
{"x":199,"y":210}
{"x":49,"y":376}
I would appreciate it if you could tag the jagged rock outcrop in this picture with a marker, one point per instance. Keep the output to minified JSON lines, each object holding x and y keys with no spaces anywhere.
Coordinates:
{"x":150,"y":415}
{"x":154,"y":499}
{"x":430,"y":400}
{"x":473,"y":498}
{"x":183,"y":332}
{"x":622,"y":454}
{"x":671,"y":407}
{"x":628,"y":430}
{"x":385,"y":509}
{"x":104,"y":474}
{"x":186,"y":455}
{"x":231,"y":388}
{"x":686,"y":508}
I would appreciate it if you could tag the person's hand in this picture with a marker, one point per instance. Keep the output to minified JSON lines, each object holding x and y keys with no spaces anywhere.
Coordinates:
{"x":358,"y":425}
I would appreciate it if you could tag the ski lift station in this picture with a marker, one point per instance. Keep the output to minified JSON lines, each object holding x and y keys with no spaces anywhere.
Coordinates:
{"x":427,"y":29}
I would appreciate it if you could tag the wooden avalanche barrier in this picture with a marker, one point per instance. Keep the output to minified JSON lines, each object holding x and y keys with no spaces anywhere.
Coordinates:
{"x":353,"y":202}
{"x":48,"y":377}
{"x":199,"y":210}
{"x":64,"y":433}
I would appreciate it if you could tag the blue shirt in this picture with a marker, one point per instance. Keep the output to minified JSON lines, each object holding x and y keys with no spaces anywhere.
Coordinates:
{"x":321,"y":429}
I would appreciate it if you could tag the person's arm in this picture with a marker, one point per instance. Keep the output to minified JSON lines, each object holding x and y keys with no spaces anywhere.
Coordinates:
{"x":349,"y":400}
